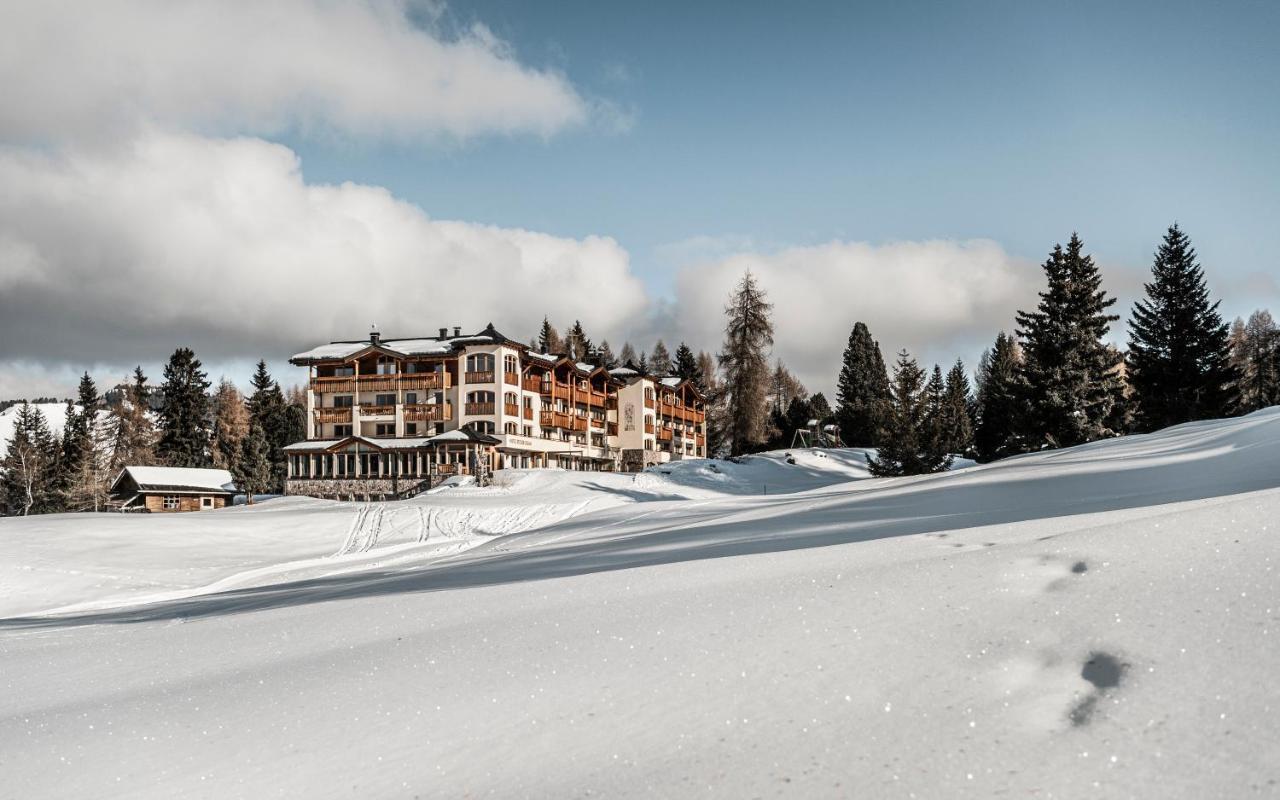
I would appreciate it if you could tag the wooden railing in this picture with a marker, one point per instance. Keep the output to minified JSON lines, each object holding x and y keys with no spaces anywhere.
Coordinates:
{"x":555,"y":419}
{"x":372,"y":410}
{"x":349,"y":384}
{"x":512,"y":378}
{"x":511,"y":409}
{"x":480,"y":377}
{"x":648,"y":427}
{"x":479,"y":409}
{"x":532,"y":384}
{"x":330,"y":415}
{"x":648,"y":402}
{"x":664,"y":434}
{"x":528,"y":412}
{"x":428,"y":412}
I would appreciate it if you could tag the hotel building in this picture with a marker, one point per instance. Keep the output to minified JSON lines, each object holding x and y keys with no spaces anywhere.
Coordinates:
{"x":392,"y":417}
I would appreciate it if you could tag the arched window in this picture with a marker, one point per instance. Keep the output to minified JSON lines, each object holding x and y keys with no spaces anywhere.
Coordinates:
{"x":480,"y":426}
{"x":510,"y":399}
{"x":511,"y":363}
{"x":480,"y":397}
{"x":480,"y":362}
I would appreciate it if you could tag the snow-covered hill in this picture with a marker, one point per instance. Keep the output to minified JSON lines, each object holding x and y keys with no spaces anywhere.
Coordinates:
{"x":1094,"y":622}
{"x":54,"y":413}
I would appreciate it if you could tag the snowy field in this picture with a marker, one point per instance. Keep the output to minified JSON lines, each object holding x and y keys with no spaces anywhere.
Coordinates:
{"x":1093,"y":622}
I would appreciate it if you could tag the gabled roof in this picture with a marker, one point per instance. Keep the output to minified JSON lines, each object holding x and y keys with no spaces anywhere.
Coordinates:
{"x":329,"y":445}
{"x":464,"y":435}
{"x":421,"y":346}
{"x":177,"y":480}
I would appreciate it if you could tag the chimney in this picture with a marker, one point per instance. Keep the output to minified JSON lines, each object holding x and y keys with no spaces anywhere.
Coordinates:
{"x":374,"y":336}
{"x":457,"y":330}
{"x":443,"y":333}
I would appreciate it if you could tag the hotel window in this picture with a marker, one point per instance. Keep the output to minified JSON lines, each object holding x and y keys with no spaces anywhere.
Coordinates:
{"x":480,"y":362}
{"x":169,"y":503}
{"x":511,"y":364}
{"x":384,"y":429}
{"x":411,"y":398}
{"x":385,"y":399}
{"x":340,"y":431}
{"x":528,"y":402}
{"x":343,"y":401}
{"x":510,"y":428}
{"x":509,"y":398}
{"x":411,"y":429}
{"x":344,"y":372}
{"x":386,"y":366}
{"x":480,"y":397}
{"x":481,"y":427}
{"x":528,"y":430}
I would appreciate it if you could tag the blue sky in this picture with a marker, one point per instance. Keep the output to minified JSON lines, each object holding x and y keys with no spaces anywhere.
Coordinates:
{"x":282,"y":174}
{"x":1018,"y":122}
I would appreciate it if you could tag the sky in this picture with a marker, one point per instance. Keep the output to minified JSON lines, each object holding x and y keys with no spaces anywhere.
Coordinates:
{"x":250,"y":180}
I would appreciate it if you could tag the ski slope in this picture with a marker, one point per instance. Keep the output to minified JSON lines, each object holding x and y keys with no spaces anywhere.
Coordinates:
{"x":1093,"y":622}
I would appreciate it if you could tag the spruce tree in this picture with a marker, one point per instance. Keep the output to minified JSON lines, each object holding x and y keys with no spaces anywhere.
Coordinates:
{"x":548,"y":339}
{"x":604,"y":355}
{"x":88,"y":468}
{"x":627,"y":355}
{"x":1000,"y":402}
{"x":576,"y":343}
{"x":267,"y":410}
{"x":957,"y":412}
{"x":934,"y":396}
{"x":1071,"y":377}
{"x":908,"y":445}
{"x":1256,"y":351}
{"x":1179,"y":360}
{"x":253,"y":470}
{"x":130,"y":429}
{"x":685,"y":364}
{"x":820,"y":408}
{"x":744,"y":362}
{"x":660,"y":360}
{"x":184,"y":415}
{"x":29,"y":470}
{"x":862,"y":390}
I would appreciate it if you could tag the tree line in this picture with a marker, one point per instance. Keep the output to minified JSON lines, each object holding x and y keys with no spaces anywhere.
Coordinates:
{"x":1053,"y":382}
{"x":191,"y":427}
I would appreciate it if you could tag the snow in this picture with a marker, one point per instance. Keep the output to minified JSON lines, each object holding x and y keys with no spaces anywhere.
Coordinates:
{"x":218,"y":480}
{"x":408,"y":347}
{"x":54,"y":413}
{"x":1100,"y":621}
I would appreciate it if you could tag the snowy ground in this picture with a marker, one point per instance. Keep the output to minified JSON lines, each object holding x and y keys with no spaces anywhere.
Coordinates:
{"x":1100,"y":621}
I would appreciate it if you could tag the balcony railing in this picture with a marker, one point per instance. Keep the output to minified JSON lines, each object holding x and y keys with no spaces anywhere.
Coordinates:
{"x":373,"y":410}
{"x":648,"y":402}
{"x":532,"y":384}
{"x":511,"y":409}
{"x":555,"y":419}
{"x":479,"y":409}
{"x":513,"y":378}
{"x":664,"y":434}
{"x":648,"y":427}
{"x":528,"y":412}
{"x":485,"y":376}
{"x":428,"y":412}
{"x":350,"y":384}
{"x":332,"y":415}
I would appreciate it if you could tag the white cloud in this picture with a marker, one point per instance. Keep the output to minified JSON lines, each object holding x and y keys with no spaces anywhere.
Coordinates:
{"x":939,"y":299}
{"x":89,"y":70}
{"x":123,"y":255}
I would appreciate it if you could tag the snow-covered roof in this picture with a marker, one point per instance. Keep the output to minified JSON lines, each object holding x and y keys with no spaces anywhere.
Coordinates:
{"x":179,"y":479}
{"x":381,"y":444}
{"x":547,"y":357}
{"x":623,"y":371}
{"x":419,"y":346}
{"x":672,"y":381}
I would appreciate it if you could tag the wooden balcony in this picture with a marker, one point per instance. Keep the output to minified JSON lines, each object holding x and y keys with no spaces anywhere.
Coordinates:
{"x":664,"y":434}
{"x":479,"y":409}
{"x":428,"y":412}
{"x":511,"y":409}
{"x":648,"y":402}
{"x":557,"y":390}
{"x":350,"y":384}
{"x":648,"y":427}
{"x":528,"y":413}
{"x":555,"y":419}
{"x":512,"y":378}
{"x":532,"y":384}
{"x":596,"y":422}
{"x":331,"y":415}
{"x":479,"y":377}
{"x":446,"y":469}
{"x":371,"y":410}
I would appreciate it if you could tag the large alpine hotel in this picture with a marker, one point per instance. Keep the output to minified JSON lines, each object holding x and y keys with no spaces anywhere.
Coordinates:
{"x":391,"y":417}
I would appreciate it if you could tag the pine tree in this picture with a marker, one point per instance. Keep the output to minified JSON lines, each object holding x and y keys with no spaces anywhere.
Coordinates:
{"x":957,"y":412}
{"x":685,"y":364}
{"x":253,"y":470}
{"x":130,"y":430}
{"x":627,"y":355}
{"x":84,"y":466}
{"x":660,"y":360}
{"x":908,"y":445}
{"x":862,"y":390}
{"x":548,"y":339}
{"x":1000,"y":399}
{"x":1071,"y":377}
{"x":604,"y":355}
{"x":820,"y":408}
{"x":576,"y":343}
{"x":230,"y":424}
{"x":28,"y":472}
{"x":268,"y":410}
{"x":744,"y":361}
{"x":184,"y":416}
{"x":934,"y":396}
{"x":1179,"y":361}
{"x":707,"y":375}
{"x":1256,"y":354}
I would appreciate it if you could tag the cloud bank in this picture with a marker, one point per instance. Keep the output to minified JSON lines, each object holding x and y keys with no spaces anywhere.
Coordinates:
{"x":86,"y":71}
